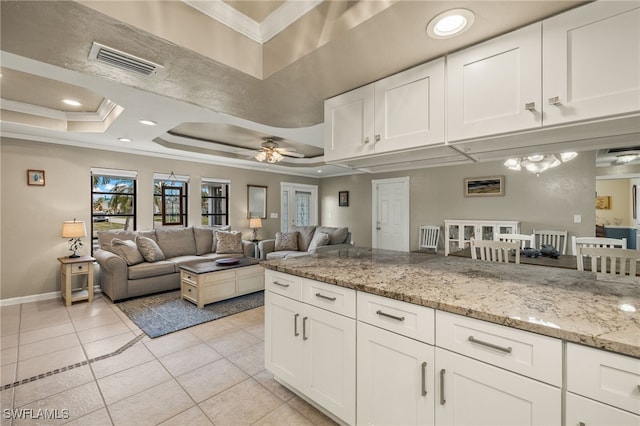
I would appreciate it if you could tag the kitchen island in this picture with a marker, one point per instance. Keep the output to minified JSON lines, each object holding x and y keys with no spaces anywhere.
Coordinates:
{"x":381,"y":337}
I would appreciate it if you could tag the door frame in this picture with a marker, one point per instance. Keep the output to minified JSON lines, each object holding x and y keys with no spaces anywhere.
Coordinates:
{"x":407,"y":205}
{"x":313,"y":214}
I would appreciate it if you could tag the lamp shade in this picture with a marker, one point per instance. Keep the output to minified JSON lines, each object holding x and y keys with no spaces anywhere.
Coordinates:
{"x":73,"y":229}
{"x":255,"y":222}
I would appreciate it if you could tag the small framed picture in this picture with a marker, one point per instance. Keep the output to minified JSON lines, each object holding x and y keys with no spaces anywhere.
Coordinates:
{"x":489,"y":186}
{"x":343,"y":198}
{"x":35,"y":177}
{"x":603,"y":202}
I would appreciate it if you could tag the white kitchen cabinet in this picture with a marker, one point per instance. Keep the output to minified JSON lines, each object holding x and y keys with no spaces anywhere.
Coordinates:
{"x":310,"y":349}
{"x":586,"y":412}
{"x":405,"y":110}
{"x":591,"y":62}
{"x":458,"y":233}
{"x":495,"y":87}
{"x":395,"y":379}
{"x":470,"y":392}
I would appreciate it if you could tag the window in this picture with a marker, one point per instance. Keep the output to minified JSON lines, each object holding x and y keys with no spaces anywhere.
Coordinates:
{"x":215,"y":202}
{"x":170,"y":199}
{"x":113,"y":200}
{"x":299,"y":205}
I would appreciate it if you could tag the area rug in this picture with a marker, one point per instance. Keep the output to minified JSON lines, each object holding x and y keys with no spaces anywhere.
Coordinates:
{"x":165,"y":313}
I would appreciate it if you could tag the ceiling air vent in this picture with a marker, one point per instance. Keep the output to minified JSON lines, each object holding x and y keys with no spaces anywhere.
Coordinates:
{"x":120,"y":59}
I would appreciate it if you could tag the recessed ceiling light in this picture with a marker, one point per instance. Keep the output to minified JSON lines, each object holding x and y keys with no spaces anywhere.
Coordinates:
{"x":125,"y":140}
{"x":319,"y":171}
{"x":147,"y":122}
{"x":450,"y":23}
{"x":71,"y":102}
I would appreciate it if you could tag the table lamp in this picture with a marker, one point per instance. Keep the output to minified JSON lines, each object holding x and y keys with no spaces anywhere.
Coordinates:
{"x":74,"y":230}
{"x":255,"y":223}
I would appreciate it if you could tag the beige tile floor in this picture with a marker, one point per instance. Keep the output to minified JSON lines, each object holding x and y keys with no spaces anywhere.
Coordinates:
{"x":210,"y":374}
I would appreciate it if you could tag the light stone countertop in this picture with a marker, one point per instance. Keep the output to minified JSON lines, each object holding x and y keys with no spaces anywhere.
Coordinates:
{"x":556,"y":302}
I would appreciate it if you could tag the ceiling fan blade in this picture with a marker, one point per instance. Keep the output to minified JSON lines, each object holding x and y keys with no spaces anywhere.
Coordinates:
{"x":291,"y":154}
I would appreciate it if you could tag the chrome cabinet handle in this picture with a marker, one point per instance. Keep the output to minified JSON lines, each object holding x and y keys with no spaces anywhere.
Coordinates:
{"x":384,"y":314}
{"x":530,"y":106}
{"x":367,"y":140}
{"x":378,"y":138}
{"x":322,"y":296}
{"x":304,"y":328}
{"x":442,"y":400}
{"x":554,"y":100}
{"x":295,"y":325}
{"x":280,"y":284}
{"x":490,"y":345}
{"x":424,"y":378}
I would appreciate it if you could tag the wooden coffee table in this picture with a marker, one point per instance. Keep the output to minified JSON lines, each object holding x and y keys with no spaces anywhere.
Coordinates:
{"x":205,"y":281}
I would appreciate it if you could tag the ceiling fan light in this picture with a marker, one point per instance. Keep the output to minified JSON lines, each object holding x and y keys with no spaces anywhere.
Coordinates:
{"x":568,"y":156}
{"x":626,"y":158}
{"x":513,"y":164}
{"x":261,"y":156}
{"x":553,"y":161}
{"x":535,"y":157}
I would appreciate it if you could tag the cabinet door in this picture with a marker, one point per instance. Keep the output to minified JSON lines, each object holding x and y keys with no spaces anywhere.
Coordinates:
{"x":582,"y":411}
{"x":349,"y":124}
{"x":471,"y":392}
{"x":330,"y":355}
{"x":283,"y":338}
{"x":591,"y":62}
{"x":409,"y":108}
{"x":393,"y":386}
{"x":492,"y":86}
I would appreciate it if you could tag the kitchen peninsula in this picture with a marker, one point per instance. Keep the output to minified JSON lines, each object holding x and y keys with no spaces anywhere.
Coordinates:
{"x":503,"y":333}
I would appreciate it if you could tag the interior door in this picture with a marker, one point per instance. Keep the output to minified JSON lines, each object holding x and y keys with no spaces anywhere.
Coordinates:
{"x":390,"y":214}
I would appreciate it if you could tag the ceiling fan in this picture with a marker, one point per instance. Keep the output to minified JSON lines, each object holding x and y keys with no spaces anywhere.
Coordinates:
{"x":271,"y":152}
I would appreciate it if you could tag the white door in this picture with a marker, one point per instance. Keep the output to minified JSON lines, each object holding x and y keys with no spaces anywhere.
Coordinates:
{"x":395,"y":379}
{"x":299,"y":205}
{"x":470,"y":392}
{"x":390,"y":216}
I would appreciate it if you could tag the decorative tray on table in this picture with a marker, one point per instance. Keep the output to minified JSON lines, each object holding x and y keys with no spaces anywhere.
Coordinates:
{"x":228,"y":261}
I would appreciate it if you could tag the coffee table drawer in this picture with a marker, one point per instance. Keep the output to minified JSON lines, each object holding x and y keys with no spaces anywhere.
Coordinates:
{"x":189,"y":291}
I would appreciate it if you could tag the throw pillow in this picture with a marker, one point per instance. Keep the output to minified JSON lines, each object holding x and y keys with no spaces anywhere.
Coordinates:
{"x":286,"y":241}
{"x":229,"y":242}
{"x":149,"y":249}
{"x":319,"y":239}
{"x":336,"y":235}
{"x":128,"y":250}
{"x":305,"y":235}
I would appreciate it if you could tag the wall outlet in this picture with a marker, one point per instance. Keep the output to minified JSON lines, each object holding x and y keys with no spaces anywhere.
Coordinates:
{"x":273,"y":216}
{"x":577,"y":218}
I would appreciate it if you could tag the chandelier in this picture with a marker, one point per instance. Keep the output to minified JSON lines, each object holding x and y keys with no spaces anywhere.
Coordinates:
{"x":271,"y":155}
{"x":539,"y":163}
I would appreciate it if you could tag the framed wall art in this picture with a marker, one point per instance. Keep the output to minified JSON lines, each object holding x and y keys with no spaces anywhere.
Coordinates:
{"x":488,"y":186}
{"x":603,"y":202}
{"x":35,"y":177}
{"x":343,"y":199}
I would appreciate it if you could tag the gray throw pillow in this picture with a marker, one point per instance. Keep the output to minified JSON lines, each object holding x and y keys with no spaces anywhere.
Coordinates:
{"x":149,"y":249}
{"x":286,"y":241}
{"x":319,"y":239}
{"x":128,"y":250}
{"x":305,"y":235}
{"x":336,"y":235}
{"x":229,"y":242}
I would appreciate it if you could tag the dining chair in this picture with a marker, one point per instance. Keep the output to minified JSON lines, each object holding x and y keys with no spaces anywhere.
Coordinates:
{"x":495,"y":251}
{"x":429,"y":237}
{"x":577,"y":242}
{"x":611,"y":264}
{"x":524,"y":240}
{"x":557,"y":239}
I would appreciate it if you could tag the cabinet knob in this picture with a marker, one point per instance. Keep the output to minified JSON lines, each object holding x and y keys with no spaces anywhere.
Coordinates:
{"x":530,"y":106}
{"x":378,"y":138}
{"x":554,"y":100}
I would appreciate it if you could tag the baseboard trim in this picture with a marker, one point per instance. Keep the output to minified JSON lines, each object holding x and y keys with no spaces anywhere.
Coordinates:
{"x":39,"y":297}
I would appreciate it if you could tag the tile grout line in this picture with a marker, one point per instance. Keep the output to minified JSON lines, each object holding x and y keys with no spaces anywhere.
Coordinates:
{"x":76,"y":365}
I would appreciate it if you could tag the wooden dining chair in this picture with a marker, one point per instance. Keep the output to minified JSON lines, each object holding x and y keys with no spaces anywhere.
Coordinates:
{"x":495,"y":251}
{"x":557,"y":239}
{"x":598,"y":242}
{"x":611,"y":264}
{"x":524,"y":240}
{"x":429,"y":236}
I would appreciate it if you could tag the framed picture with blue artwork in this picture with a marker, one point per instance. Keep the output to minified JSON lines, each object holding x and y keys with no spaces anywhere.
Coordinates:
{"x":35,"y":177}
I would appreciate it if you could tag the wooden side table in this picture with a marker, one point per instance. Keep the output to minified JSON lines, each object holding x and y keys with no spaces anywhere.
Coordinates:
{"x":76,"y":267}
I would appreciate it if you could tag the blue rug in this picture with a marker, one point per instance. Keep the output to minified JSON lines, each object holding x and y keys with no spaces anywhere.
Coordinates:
{"x":165,"y":313}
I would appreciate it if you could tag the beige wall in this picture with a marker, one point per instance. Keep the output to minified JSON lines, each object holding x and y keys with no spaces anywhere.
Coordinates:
{"x":31,"y":217}
{"x":619,"y":212}
{"x":548,"y":201}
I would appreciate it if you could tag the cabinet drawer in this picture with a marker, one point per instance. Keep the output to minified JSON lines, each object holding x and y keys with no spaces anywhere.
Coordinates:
{"x":188,"y":276}
{"x":190,"y":291}
{"x":80,"y":268}
{"x":604,"y":376}
{"x":529,"y":354}
{"x":284,"y":284}
{"x":588,"y":412}
{"x":330,"y":297}
{"x":399,"y":317}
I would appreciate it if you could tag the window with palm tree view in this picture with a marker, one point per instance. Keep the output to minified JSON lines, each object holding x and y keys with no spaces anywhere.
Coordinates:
{"x":215,"y":202}
{"x":113,"y":201}
{"x":170,"y":200}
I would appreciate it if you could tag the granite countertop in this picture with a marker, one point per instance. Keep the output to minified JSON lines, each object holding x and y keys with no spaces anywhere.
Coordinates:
{"x":555,"y":302}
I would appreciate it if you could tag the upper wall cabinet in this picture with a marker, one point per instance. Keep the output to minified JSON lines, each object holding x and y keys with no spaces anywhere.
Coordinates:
{"x":403,"y":111}
{"x":591,"y":62}
{"x":495,"y":87}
